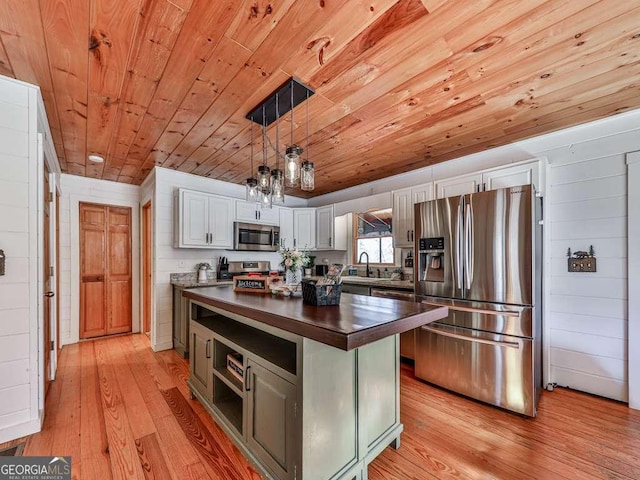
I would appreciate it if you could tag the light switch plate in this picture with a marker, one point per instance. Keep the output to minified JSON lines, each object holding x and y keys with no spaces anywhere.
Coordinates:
{"x":182,"y":263}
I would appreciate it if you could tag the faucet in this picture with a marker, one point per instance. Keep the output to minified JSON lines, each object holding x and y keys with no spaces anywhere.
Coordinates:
{"x":360,"y":261}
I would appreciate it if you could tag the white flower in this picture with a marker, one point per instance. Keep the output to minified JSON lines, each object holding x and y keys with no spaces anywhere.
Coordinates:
{"x":288,"y":262}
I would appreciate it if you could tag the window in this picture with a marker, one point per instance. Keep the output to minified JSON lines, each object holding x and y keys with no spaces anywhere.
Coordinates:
{"x":372,"y":235}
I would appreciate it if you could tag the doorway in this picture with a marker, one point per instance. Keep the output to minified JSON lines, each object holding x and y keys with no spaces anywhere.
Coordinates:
{"x":105,"y":270}
{"x":146,"y":268}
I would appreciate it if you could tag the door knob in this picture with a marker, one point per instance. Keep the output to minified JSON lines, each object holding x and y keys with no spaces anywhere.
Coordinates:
{"x":50,"y":294}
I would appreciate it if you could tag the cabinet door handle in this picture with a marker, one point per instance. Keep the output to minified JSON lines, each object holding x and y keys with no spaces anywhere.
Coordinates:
{"x":207,"y":352}
{"x":407,"y":235}
{"x":294,"y":243}
{"x":329,"y":241}
{"x":484,"y":187}
{"x":247,"y":382}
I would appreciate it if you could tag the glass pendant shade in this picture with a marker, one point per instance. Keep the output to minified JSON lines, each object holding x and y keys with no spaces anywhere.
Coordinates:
{"x":253,"y":193}
{"x":264,"y":177}
{"x":277,"y":186}
{"x":265,"y":199}
{"x":292,"y":165}
{"x":307,"y":176}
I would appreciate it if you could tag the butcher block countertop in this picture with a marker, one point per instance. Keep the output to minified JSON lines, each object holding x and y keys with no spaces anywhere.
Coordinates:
{"x":357,"y":321}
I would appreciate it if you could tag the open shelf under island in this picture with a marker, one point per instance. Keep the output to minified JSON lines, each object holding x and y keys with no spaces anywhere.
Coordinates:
{"x":319,"y":393}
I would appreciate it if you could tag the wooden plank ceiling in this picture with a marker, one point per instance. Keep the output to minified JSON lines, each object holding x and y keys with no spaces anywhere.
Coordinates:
{"x":400,"y":84}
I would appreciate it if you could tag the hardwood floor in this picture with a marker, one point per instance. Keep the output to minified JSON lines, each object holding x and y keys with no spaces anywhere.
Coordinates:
{"x":122,"y":411}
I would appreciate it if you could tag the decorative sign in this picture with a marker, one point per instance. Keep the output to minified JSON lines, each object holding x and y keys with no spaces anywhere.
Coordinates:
{"x":246,"y":283}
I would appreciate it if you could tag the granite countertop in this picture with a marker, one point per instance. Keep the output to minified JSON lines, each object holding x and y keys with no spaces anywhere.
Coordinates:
{"x":357,"y":321}
{"x":190,"y":280}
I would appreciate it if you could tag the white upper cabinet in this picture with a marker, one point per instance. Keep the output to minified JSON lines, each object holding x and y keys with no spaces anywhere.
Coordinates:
{"x":250,"y":212}
{"x":324,"y":228}
{"x":304,"y":228}
{"x":403,"y":202}
{"x":286,"y":227}
{"x":203,"y":220}
{"x":510,"y":176}
{"x":331,"y":231}
{"x":514,"y":176}
{"x":454,"y":187}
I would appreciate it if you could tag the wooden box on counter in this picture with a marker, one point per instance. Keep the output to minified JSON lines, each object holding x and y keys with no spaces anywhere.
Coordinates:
{"x":254,"y":284}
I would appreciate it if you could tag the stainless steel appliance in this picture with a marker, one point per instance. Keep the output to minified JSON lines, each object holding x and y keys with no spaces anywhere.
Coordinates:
{"x":477,"y":255}
{"x":256,"y":237}
{"x":408,"y":338}
{"x":244,"y":268}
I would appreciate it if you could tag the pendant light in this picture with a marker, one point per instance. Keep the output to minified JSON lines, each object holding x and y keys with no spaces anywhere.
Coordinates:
{"x":292,"y":156}
{"x":271,"y":184}
{"x":264,"y":173}
{"x":307,"y":176}
{"x":277,"y":178}
{"x":252,"y":191}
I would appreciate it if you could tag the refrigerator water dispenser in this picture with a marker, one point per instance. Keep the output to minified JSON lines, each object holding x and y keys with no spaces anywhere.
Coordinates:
{"x":431,"y":262}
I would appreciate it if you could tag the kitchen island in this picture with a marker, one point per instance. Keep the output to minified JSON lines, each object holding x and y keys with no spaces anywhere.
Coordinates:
{"x":310,"y":392}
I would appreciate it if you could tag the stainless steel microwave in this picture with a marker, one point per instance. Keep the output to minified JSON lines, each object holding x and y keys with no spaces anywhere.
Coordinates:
{"x":256,"y":237}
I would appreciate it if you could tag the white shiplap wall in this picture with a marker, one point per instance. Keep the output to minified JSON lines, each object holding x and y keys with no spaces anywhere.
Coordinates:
{"x":15,"y":305}
{"x":80,"y":189}
{"x":24,"y":138}
{"x":588,"y":311}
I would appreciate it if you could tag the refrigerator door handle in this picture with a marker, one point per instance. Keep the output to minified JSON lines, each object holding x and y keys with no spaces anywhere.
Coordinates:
{"x":483,"y":311}
{"x":471,"y":339}
{"x":459,"y":244}
{"x":468,"y":243}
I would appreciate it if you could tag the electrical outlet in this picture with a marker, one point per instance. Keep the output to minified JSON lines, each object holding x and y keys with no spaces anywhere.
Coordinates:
{"x":182,"y":263}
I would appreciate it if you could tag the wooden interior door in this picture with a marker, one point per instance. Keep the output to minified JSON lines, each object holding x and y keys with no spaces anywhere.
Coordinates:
{"x":146,"y":267}
{"x":105,"y":270}
{"x":47,"y":284}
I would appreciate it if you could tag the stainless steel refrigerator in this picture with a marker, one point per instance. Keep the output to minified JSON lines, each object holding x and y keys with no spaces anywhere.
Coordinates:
{"x":478,"y":254}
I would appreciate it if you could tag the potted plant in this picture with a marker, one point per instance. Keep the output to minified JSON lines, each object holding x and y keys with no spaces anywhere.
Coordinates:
{"x":202,"y":272}
{"x":308,"y":267}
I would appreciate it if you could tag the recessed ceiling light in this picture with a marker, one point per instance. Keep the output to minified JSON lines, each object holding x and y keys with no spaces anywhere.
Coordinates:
{"x":96,"y":159}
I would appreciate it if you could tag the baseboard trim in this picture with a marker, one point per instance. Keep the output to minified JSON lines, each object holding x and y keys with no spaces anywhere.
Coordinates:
{"x":20,"y":430}
{"x":158,"y":347}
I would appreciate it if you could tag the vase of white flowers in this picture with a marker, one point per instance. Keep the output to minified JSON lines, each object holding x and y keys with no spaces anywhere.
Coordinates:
{"x":292,"y":262}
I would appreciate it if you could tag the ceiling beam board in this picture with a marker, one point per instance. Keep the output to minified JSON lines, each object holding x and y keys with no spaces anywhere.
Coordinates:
{"x":113,"y":26}
{"x":234,"y":99}
{"x":333,"y":37}
{"x":223,"y":149}
{"x":161,"y":23}
{"x":22,"y":36}
{"x":66,"y":31}
{"x":224,"y":64}
{"x":201,"y":32}
{"x":255,"y":20}
{"x":553,"y":39}
{"x":383,"y":37}
{"x":5,"y":64}
{"x":299,"y":22}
